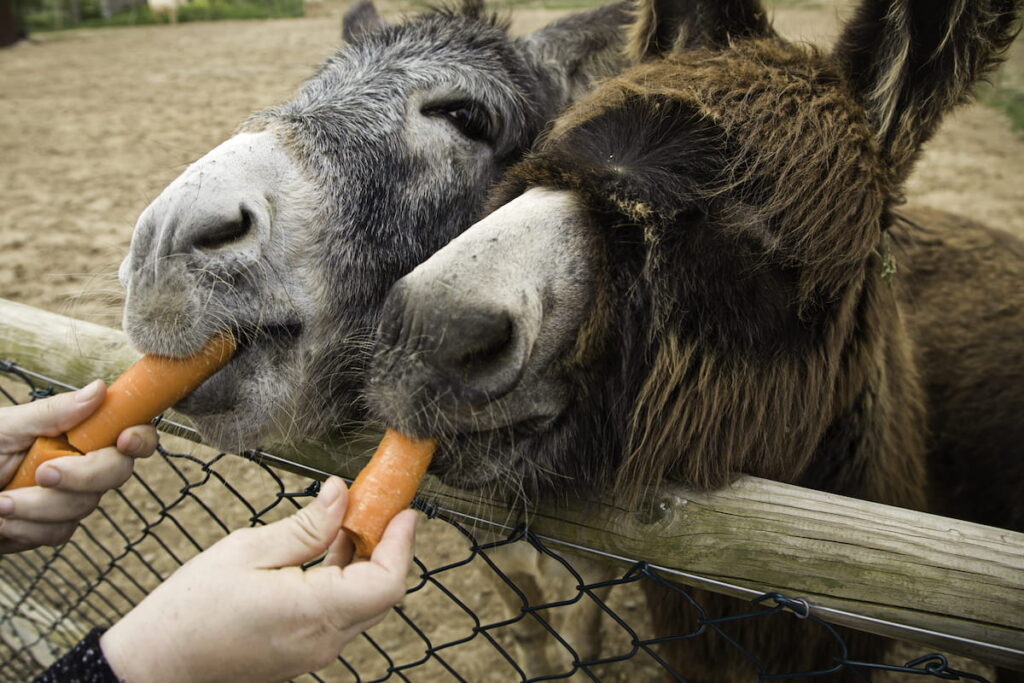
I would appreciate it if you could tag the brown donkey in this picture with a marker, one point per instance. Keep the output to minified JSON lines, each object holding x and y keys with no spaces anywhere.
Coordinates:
{"x":699,"y":272}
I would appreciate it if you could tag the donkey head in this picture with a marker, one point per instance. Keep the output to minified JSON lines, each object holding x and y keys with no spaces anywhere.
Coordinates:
{"x":685,"y":278}
{"x":291,"y":232}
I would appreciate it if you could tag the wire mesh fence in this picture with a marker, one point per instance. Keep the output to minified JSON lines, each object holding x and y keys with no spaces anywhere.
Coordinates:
{"x":473,"y":612}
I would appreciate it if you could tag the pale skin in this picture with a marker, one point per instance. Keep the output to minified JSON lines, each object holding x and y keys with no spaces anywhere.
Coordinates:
{"x":67,"y":489}
{"x":241,"y":610}
{"x":245,"y":610}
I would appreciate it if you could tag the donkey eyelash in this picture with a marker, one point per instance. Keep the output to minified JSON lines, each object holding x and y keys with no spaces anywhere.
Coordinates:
{"x":470,"y":118}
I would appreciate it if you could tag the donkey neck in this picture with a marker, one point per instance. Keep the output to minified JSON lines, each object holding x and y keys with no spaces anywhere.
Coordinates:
{"x":873,"y":448}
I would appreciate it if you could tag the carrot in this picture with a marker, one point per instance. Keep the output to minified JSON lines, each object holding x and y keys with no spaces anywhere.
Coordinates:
{"x":385,"y":487}
{"x":149,"y":387}
{"x":44,"y":449}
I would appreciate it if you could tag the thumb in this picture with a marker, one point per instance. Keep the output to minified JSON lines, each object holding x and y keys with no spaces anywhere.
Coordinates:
{"x":49,"y":417}
{"x":297,"y":539}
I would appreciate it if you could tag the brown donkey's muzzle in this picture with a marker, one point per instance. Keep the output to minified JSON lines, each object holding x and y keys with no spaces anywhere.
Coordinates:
{"x":467,"y":339}
{"x":451,"y":345}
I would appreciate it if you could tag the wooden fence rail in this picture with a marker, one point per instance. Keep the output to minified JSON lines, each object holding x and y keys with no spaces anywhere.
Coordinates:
{"x":944,"y":583}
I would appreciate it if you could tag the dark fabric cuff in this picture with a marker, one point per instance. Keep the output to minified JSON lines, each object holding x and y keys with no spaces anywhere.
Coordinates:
{"x":85,"y":663}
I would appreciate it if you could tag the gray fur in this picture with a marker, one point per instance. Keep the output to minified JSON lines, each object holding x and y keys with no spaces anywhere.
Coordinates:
{"x":292,"y":236}
{"x":361,"y":18}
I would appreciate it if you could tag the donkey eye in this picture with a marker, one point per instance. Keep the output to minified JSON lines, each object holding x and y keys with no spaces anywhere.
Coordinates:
{"x":470,"y":118}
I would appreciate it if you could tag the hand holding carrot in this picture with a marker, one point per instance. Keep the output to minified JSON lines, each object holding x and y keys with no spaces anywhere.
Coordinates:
{"x":243,"y":610}
{"x":67,"y":488}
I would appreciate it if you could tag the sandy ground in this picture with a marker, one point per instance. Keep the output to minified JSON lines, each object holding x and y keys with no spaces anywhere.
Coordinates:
{"x":93,"y":124}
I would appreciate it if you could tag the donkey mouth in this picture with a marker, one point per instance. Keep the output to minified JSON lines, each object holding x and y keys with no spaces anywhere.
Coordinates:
{"x":259,"y":347}
{"x":251,"y":337}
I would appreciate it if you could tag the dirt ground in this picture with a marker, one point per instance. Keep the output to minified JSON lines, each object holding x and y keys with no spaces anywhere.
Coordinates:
{"x":93,"y":125}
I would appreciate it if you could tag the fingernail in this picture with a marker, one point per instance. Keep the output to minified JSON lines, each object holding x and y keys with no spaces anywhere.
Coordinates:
{"x":329,"y":492}
{"x":6,"y":506}
{"x":134,"y":444}
{"x":88,"y":392}
{"x":47,"y":476}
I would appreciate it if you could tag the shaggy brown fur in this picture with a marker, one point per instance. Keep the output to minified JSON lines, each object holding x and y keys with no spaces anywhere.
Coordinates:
{"x":804,"y":202}
{"x":963,"y":300}
{"x":801,"y":157}
{"x":730,"y":225}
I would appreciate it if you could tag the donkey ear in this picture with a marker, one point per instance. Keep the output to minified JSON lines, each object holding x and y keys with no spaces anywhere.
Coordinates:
{"x":571,"y":54}
{"x":361,"y":18}
{"x":663,"y":25}
{"x":911,"y":61}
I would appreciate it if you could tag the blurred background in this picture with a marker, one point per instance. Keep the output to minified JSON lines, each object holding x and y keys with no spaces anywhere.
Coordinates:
{"x":104,"y":102}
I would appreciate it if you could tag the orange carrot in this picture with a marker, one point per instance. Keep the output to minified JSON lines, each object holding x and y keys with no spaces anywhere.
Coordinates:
{"x":385,"y":487}
{"x":44,"y":449}
{"x":147,"y":388}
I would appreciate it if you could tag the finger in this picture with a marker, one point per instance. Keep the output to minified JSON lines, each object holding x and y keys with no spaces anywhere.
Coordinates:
{"x":8,"y":466}
{"x":98,"y":471}
{"x":36,"y":504}
{"x":394,"y":552}
{"x":138,"y":442}
{"x":295,"y":540}
{"x":34,"y":534}
{"x":7,"y":546}
{"x":48,"y":417}
{"x":340,"y":552}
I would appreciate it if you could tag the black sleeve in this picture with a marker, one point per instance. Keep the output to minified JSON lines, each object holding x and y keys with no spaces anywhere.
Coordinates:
{"x":85,"y":663}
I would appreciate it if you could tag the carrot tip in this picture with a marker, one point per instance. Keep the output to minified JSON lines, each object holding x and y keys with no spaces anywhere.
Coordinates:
{"x":363,"y":546}
{"x":385,"y":487}
{"x":44,"y":449}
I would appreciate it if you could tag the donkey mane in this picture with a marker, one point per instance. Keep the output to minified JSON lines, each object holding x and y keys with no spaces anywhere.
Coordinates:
{"x":769,"y":77}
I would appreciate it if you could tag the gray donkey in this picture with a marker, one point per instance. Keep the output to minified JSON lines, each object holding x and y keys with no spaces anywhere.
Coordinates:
{"x":291,"y":232}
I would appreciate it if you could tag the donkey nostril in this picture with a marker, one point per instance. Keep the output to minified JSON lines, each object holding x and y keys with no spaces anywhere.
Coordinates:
{"x":485,"y":345}
{"x":480,"y":358}
{"x":226,"y":232}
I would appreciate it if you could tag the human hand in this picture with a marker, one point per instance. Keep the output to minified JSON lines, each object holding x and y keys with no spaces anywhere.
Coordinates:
{"x":244,"y":609}
{"x":68,"y":488}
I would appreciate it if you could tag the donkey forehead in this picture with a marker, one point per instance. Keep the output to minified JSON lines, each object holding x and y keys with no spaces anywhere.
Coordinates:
{"x":420,"y":55}
{"x":758,"y":81}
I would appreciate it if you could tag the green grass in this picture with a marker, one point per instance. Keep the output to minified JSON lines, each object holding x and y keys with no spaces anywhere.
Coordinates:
{"x":1005,"y":91}
{"x":202,"y":10}
{"x":1010,"y":101}
{"x":197,"y":10}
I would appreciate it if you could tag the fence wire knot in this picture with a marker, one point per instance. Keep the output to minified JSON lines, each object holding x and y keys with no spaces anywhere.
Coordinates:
{"x":800,"y":608}
{"x":43,"y":393}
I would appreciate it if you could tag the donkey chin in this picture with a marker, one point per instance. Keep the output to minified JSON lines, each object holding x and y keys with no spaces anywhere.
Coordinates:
{"x":240,"y":406}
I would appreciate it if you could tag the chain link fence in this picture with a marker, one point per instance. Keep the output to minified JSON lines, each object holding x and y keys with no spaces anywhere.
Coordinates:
{"x":471,"y":613}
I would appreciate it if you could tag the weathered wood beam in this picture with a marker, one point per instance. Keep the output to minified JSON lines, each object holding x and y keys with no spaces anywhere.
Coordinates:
{"x":944,"y":583}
